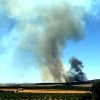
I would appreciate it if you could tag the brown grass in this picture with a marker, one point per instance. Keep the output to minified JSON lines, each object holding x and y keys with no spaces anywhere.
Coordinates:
{"x":53,"y":91}
{"x":84,"y":85}
{"x":9,"y":89}
{"x":46,"y":91}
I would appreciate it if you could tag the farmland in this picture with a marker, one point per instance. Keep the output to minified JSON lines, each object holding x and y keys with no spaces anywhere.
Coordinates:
{"x":40,"y":96}
{"x":58,"y":91}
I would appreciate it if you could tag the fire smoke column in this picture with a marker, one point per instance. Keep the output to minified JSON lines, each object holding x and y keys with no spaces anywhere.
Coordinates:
{"x":75,"y":73}
{"x":62,"y":23}
{"x":41,"y":33}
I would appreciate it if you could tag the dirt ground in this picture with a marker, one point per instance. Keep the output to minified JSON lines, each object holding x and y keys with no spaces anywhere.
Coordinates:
{"x":84,"y":85}
{"x":51,"y":90}
{"x":54,"y":91}
{"x":9,"y":89}
{"x":46,"y":91}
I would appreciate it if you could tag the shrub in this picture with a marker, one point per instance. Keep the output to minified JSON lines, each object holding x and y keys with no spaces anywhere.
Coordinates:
{"x":95,"y":89}
{"x":86,"y":96}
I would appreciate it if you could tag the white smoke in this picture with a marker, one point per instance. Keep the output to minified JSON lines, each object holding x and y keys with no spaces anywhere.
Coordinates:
{"x":40,"y":32}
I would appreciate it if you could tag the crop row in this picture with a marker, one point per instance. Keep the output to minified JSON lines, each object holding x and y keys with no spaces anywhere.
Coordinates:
{"x":43,"y":96}
{"x":20,"y":96}
{"x":49,"y":87}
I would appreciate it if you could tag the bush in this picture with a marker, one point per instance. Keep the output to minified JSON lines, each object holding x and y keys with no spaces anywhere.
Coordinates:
{"x":95,"y":89}
{"x":86,"y":96}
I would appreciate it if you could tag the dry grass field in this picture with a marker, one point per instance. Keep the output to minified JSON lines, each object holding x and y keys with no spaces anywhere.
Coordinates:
{"x":54,"y":91}
{"x":45,"y":91}
{"x":50,"y":90}
{"x":85,"y":85}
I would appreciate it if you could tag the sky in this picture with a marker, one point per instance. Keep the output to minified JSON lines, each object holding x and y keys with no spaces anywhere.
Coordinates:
{"x":18,"y":60}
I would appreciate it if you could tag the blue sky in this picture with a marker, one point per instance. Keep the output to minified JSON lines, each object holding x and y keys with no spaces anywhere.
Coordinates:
{"x":87,"y":49}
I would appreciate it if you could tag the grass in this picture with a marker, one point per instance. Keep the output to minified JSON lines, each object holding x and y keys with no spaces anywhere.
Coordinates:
{"x":80,"y":88}
{"x":42,"y":96}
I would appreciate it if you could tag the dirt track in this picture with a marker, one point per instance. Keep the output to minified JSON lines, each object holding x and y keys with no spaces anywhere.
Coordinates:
{"x":84,"y":85}
{"x":54,"y":91}
{"x":51,"y":90}
{"x":46,"y":91}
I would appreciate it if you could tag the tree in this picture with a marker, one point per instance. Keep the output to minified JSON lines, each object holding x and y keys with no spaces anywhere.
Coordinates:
{"x":95,"y":89}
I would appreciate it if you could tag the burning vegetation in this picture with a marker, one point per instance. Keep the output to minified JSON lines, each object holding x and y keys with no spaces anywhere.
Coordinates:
{"x":75,"y":73}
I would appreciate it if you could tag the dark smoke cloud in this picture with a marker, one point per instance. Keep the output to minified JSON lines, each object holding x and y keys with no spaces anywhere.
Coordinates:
{"x":75,"y":73}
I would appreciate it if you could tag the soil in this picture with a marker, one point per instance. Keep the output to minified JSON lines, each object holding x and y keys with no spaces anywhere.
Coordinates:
{"x":54,"y":91}
{"x":50,"y":90}
{"x":84,"y":85}
{"x":46,"y":91}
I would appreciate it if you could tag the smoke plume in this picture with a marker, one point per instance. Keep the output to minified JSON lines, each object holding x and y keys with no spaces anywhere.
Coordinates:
{"x":75,"y":73}
{"x":61,"y":25}
{"x":40,"y":34}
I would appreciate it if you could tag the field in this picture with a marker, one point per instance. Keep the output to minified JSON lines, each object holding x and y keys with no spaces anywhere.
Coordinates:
{"x":85,"y":85}
{"x":42,"y":96}
{"x":44,"y":92}
{"x":54,"y":91}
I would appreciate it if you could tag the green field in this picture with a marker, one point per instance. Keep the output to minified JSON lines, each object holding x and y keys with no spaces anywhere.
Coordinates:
{"x":42,"y":96}
{"x":49,"y":87}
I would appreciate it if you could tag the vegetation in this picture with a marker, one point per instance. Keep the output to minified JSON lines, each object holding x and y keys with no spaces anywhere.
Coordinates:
{"x":44,"y":96}
{"x":50,"y":87}
{"x":94,"y":95}
{"x":95,"y":89}
{"x":20,"y":96}
{"x":87,"y":96}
